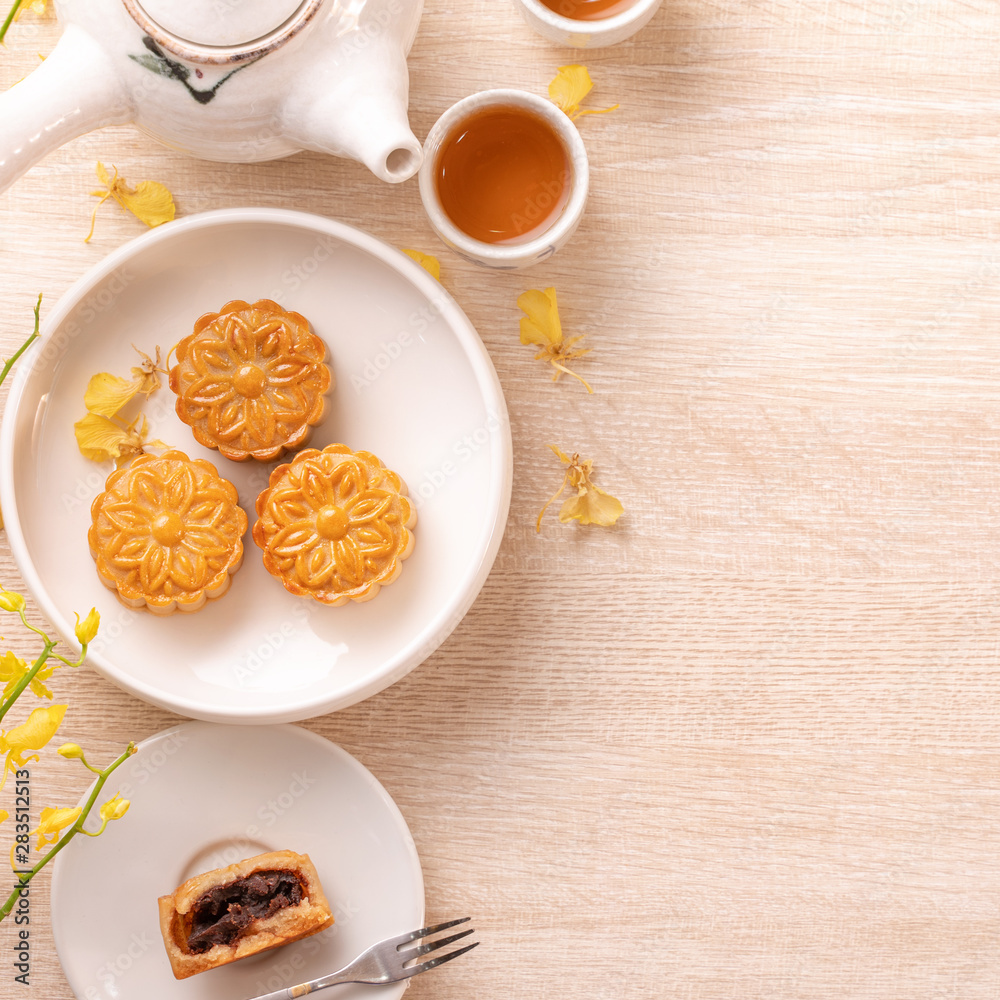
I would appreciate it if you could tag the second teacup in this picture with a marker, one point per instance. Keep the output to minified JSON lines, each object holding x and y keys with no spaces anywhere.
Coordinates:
{"x":587,"y":24}
{"x":505,"y":178}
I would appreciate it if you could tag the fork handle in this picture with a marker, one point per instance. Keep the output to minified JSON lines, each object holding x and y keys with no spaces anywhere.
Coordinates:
{"x":347,"y":975}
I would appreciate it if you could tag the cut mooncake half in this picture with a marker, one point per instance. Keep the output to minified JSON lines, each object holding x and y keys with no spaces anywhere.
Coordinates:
{"x":241,"y":910}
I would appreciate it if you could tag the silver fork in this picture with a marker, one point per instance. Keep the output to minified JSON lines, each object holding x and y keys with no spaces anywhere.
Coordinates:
{"x":385,"y":962}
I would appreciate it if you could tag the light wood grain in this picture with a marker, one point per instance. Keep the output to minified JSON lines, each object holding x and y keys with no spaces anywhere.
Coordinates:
{"x":744,"y":744}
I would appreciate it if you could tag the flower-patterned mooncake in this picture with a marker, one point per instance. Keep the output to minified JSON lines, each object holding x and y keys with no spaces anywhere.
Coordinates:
{"x":250,"y":380}
{"x":334,"y":525}
{"x":167,"y":533}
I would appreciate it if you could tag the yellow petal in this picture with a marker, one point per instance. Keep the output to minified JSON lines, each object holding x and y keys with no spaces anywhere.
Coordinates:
{"x":570,"y":86}
{"x":10,"y":601}
{"x":36,"y":683}
{"x":430,"y":264}
{"x":563,"y":457}
{"x":150,"y":202}
{"x":592,"y":506}
{"x":4,"y":815}
{"x":114,"y":808}
{"x":35,"y":731}
{"x":12,"y":669}
{"x":106,"y":393}
{"x":32,"y":734}
{"x":99,"y":439}
{"x":35,"y":6}
{"x":52,"y":822}
{"x":541,"y":324}
{"x":87,"y":629}
{"x":148,"y":379}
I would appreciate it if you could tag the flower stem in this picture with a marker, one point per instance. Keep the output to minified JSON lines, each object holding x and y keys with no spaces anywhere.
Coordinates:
{"x":10,"y":18}
{"x":38,"y":305}
{"x":23,"y":878}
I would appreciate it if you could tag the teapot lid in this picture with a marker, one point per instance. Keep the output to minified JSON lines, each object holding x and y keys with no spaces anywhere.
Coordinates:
{"x":228,"y":30}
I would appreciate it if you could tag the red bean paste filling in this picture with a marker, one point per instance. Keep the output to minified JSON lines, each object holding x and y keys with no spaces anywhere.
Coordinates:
{"x":222,"y":915}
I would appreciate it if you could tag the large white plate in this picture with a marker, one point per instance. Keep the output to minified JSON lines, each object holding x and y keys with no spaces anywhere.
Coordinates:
{"x":414,"y":385}
{"x":204,"y":796}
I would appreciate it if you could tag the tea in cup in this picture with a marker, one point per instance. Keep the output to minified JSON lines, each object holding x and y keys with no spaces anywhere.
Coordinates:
{"x":504,"y":179}
{"x":587,"y":24}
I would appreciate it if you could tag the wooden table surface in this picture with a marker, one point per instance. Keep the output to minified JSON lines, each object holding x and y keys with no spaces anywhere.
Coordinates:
{"x":745,"y":743}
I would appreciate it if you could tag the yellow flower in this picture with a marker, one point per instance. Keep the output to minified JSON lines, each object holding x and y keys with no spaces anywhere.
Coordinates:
{"x":591,"y":505}
{"x":570,"y":86}
{"x":149,"y":201}
{"x":52,"y":823}
{"x":430,"y":264}
{"x":100,"y":439}
{"x":541,"y":326}
{"x":106,"y":393}
{"x":114,"y":808}
{"x":13,"y":668}
{"x":32,"y":734}
{"x":87,"y":629}
{"x":71,"y":751}
{"x":9,"y":601}
{"x":4,"y":815}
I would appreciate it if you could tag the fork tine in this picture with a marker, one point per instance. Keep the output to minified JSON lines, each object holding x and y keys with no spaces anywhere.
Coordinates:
{"x":424,"y":931}
{"x":412,"y":953}
{"x":435,"y":962}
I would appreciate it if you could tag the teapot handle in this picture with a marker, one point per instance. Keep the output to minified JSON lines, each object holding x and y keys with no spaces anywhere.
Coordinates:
{"x":74,"y":91}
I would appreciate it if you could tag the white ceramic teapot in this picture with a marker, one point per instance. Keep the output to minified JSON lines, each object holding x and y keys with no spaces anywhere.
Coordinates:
{"x":232,"y":80}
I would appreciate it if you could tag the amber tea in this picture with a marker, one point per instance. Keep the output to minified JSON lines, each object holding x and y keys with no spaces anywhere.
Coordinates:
{"x":588,"y":10}
{"x":502,"y":175}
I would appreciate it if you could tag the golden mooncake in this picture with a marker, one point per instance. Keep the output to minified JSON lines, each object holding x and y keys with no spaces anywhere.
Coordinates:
{"x":334,"y":525}
{"x":251,"y":380}
{"x":240,"y":910}
{"x":167,"y":533}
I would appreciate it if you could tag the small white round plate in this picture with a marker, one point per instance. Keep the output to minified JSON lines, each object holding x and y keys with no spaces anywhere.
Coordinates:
{"x":204,"y":796}
{"x":414,"y":385}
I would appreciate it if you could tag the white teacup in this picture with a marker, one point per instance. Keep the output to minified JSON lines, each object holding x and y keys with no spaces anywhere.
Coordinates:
{"x":512,"y":255}
{"x":587,"y":34}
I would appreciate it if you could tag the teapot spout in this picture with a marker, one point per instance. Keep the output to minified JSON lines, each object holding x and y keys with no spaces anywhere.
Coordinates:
{"x":360,"y":112}
{"x":74,"y":91}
